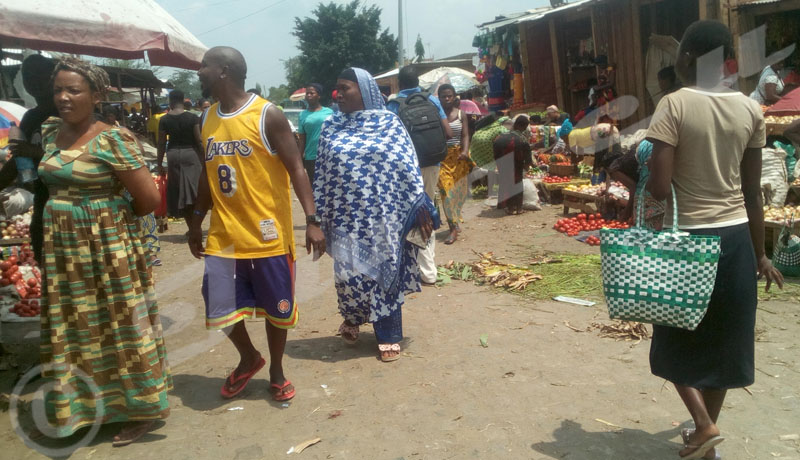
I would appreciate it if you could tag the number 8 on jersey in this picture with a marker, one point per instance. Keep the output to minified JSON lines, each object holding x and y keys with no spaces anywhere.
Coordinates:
{"x":227,"y":179}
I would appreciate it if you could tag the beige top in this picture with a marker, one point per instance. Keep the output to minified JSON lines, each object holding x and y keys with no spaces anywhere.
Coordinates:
{"x":710,"y":132}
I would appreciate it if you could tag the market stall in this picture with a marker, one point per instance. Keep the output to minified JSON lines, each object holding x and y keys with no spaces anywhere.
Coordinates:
{"x":781,"y":114}
{"x":20,"y":280}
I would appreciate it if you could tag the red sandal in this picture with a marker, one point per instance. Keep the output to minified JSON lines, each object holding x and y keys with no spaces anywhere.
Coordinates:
{"x":233,"y":379}
{"x":281,"y":395}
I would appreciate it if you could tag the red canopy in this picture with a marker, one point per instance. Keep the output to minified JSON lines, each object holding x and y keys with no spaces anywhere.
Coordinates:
{"x":788,"y":105}
{"x":122,"y":29}
{"x":298,"y":95}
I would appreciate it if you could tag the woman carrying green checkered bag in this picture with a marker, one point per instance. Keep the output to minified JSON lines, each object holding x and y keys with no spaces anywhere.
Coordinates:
{"x":707,"y":144}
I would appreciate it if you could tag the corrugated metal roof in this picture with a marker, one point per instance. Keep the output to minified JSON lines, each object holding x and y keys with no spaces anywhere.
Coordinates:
{"x":530,"y":15}
{"x":749,"y":3}
{"x":506,"y":19}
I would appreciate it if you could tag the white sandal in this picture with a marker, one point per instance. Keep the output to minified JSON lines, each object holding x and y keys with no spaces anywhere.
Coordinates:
{"x":384,"y":347}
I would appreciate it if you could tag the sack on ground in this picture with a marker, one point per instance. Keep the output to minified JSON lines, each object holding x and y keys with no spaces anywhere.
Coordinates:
{"x":775,"y":176}
{"x":530,"y":196}
{"x":17,"y":201}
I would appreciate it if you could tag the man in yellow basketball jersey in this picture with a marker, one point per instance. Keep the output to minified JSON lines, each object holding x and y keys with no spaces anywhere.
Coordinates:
{"x":250,"y":159}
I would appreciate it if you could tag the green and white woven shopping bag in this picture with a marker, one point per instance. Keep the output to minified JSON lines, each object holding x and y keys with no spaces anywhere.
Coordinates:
{"x":786,"y":253}
{"x":663,"y":278}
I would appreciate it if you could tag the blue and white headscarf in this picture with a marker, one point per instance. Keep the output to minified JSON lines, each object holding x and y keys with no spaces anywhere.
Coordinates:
{"x":368,"y":187}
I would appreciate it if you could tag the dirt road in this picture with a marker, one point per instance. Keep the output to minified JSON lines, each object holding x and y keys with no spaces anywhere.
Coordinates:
{"x":540,"y":390}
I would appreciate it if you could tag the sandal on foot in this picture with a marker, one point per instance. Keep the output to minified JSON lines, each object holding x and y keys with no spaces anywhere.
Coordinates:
{"x":700,"y":451}
{"x":390,"y":347}
{"x":452,"y":238}
{"x":686,"y":433}
{"x":130,"y":434}
{"x":233,"y":380}
{"x":349,"y":333}
{"x":282,"y":394}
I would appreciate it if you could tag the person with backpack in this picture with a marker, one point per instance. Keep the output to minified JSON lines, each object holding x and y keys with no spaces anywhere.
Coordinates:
{"x":427,"y":125}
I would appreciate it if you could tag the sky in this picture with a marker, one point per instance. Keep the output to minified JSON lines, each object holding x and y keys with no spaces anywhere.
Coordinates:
{"x":265,"y":39}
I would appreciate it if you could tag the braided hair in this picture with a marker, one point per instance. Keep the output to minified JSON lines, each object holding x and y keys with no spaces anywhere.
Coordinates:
{"x":96,"y":77}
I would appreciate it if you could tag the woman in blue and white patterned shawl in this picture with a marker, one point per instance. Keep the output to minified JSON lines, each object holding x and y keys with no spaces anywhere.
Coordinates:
{"x":369,"y":195}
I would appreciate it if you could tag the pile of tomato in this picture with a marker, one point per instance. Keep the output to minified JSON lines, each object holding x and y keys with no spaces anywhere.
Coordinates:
{"x":593,"y":241}
{"x":29,"y":290}
{"x":556,"y":179}
{"x":586,"y":223}
{"x":27,"y":308}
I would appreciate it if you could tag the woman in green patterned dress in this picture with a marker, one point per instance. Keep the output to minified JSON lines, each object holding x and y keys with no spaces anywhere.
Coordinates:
{"x":101,"y":318}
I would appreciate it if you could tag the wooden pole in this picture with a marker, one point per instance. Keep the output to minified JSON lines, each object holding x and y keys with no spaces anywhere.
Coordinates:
{"x":526,"y":70}
{"x":3,"y":93}
{"x":556,"y":65}
{"x":638,"y":60}
{"x":121,"y":99}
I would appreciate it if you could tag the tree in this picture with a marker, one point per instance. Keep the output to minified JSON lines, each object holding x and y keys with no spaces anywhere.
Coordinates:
{"x":127,"y":64}
{"x":186,"y":81}
{"x":337,"y":37}
{"x":278,"y":94}
{"x":419,"y":50}
{"x":260,"y":89}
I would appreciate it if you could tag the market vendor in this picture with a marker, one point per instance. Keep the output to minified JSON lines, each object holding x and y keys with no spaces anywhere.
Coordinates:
{"x":770,"y":85}
{"x":612,"y":165}
{"x":36,"y":71}
{"x":512,"y":155}
{"x":552,"y":115}
{"x":596,"y":137}
{"x":627,"y":169}
{"x":481,"y":149}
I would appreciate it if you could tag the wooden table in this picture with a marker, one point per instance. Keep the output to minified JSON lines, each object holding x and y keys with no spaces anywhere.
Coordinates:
{"x":775,"y":129}
{"x":584,"y":202}
{"x":549,"y":190}
{"x":14,"y":241}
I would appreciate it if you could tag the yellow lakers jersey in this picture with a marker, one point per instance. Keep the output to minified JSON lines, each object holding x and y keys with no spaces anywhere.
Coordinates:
{"x":252,"y":212}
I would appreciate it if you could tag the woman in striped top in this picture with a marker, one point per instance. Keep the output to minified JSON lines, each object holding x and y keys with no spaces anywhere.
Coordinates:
{"x":454,"y":170}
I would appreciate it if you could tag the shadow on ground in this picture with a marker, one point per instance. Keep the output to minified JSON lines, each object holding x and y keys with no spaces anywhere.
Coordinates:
{"x":50,"y":446}
{"x":332,"y":349}
{"x":574,"y":442}
{"x":201,"y":393}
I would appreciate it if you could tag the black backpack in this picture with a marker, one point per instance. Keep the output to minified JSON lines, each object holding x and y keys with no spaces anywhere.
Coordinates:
{"x":421,"y":118}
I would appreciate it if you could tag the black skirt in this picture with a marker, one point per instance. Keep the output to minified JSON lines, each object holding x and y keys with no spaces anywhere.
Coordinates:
{"x":719,"y":354}
{"x":183,"y":176}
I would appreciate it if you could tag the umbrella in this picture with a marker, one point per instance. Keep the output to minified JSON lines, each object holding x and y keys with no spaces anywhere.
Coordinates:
{"x":122,"y":29}
{"x":469,"y":107}
{"x":9,"y":113}
{"x":788,"y":105}
{"x":298,"y":95}
{"x":461,"y":79}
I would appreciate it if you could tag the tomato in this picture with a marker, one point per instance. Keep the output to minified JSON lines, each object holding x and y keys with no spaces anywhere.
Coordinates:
{"x":5,"y":282}
{"x":581,"y":216}
{"x":5,"y":265}
{"x":32,"y":282}
{"x":13,"y":260}
{"x":15,"y":277}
